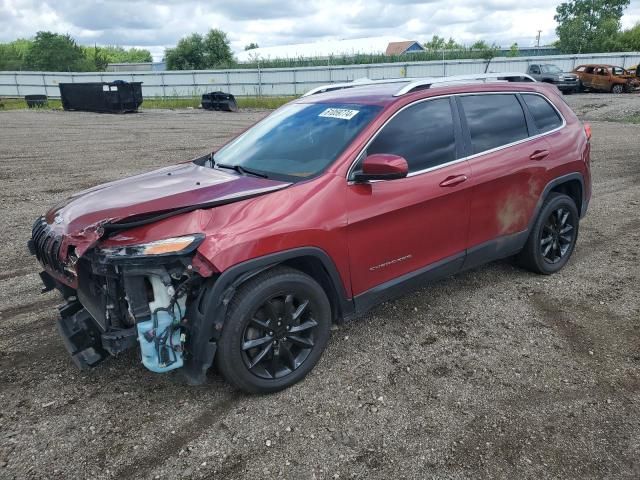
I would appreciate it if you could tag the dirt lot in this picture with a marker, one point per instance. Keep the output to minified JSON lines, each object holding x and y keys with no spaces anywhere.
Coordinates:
{"x":494,"y":373}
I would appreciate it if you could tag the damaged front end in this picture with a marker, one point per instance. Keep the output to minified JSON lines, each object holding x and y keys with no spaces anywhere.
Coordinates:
{"x":120,"y":296}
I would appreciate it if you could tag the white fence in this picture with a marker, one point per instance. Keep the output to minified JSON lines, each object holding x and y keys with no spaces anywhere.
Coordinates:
{"x":287,"y":81}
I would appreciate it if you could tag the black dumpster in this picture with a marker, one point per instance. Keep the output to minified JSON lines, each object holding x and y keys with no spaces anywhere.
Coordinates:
{"x":36,"y":101}
{"x":113,"y":97}
{"x":219,"y":101}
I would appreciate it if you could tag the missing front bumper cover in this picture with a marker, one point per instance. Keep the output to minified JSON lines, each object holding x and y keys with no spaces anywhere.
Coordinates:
{"x":82,"y":339}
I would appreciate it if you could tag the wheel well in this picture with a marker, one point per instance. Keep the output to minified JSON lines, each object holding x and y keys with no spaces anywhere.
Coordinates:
{"x":313,"y":267}
{"x":573,"y":189}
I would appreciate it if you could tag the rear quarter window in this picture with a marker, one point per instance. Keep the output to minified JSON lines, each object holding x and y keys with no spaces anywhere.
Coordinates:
{"x":493,"y":120}
{"x":545,"y":117}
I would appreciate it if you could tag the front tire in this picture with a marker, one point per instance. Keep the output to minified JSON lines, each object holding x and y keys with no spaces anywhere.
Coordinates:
{"x":617,"y":89}
{"x":277,"y":327}
{"x":553,"y":236}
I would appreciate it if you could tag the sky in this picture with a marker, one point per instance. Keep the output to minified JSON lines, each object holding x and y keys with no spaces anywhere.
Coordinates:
{"x":158,"y":24}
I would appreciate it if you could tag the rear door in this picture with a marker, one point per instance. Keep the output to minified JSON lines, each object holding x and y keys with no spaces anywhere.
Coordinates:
{"x":507,"y":168}
{"x":602,"y":79}
{"x":397,"y":227}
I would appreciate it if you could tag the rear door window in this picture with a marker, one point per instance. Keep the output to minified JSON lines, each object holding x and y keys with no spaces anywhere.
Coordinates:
{"x":545,"y":117}
{"x":493,"y":120}
{"x":423,"y":134}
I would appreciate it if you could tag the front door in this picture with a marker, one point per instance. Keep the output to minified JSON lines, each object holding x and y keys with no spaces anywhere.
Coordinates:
{"x":399,"y":227}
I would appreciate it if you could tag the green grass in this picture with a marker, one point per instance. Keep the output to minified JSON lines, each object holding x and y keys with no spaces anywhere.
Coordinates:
{"x":159,"y":102}
{"x":631,"y":119}
{"x":19,"y":103}
{"x":194,"y":102}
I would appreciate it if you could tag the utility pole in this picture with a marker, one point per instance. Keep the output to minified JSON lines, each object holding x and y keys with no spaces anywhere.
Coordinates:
{"x":538,"y":39}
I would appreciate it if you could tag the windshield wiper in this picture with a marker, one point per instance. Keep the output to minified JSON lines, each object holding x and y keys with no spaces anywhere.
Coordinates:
{"x":242,"y":170}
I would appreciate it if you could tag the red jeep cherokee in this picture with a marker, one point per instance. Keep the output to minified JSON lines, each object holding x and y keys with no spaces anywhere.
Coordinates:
{"x":334,"y":203}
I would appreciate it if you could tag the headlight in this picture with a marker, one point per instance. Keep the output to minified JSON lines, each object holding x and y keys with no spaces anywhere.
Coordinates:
{"x":168,"y":246}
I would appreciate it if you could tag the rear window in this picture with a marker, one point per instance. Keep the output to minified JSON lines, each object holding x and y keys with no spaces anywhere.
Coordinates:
{"x":494,"y":120}
{"x":545,"y":117}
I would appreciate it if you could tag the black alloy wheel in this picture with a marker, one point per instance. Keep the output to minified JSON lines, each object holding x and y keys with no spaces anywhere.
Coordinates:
{"x":553,"y":235}
{"x":277,"y":326}
{"x":557,"y":235}
{"x":279,"y":336}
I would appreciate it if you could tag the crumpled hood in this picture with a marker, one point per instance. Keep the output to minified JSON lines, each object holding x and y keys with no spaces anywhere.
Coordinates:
{"x":181,"y":186}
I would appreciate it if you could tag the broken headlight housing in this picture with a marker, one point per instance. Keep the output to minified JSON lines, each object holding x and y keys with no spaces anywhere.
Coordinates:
{"x":168,"y":246}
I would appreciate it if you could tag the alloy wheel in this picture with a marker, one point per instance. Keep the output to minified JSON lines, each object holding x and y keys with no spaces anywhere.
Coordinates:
{"x":279,"y":336}
{"x":558,"y":234}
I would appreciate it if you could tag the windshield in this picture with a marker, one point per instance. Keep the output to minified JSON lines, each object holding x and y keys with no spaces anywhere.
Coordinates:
{"x":298,"y":140}
{"x":551,"y":69}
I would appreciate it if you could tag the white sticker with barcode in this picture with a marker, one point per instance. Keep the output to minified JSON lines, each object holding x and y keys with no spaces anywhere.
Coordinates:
{"x":342,"y":113}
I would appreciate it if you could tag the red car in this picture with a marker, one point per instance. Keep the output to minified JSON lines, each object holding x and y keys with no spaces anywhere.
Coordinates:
{"x":334,"y":203}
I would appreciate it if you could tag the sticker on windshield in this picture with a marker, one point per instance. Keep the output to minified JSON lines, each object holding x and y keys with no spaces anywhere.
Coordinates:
{"x":342,"y":113}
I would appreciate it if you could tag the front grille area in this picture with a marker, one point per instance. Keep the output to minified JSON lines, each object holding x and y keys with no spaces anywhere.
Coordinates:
{"x":45,"y":245}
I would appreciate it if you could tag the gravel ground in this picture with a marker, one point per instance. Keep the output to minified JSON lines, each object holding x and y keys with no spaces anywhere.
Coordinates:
{"x":494,"y":373}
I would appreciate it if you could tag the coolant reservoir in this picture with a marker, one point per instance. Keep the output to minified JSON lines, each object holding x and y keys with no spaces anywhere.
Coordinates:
{"x":157,"y":343}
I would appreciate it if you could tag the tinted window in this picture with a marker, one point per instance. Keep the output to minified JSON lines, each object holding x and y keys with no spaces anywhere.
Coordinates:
{"x":493,"y":120}
{"x":544,"y":115}
{"x":298,"y":140}
{"x":423,"y":134}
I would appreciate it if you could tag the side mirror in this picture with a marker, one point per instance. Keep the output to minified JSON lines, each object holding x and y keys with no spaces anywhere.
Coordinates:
{"x":382,"y":166}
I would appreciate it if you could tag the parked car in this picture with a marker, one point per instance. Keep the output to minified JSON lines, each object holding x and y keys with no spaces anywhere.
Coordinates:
{"x":545,"y":72}
{"x":606,"y":78}
{"x":337,"y":201}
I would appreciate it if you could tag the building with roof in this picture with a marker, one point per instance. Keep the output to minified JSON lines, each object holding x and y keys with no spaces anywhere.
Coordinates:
{"x":332,"y":48}
{"x":400,"y":48}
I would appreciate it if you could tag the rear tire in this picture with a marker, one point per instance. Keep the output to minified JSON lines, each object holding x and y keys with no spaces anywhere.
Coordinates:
{"x":553,"y":236}
{"x":277,"y":327}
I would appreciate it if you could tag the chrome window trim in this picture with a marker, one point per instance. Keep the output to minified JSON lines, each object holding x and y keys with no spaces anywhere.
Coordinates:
{"x":469,"y":157}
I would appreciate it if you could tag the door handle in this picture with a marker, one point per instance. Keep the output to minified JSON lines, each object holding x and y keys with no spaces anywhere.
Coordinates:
{"x":539,"y":155}
{"x":453,"y":180}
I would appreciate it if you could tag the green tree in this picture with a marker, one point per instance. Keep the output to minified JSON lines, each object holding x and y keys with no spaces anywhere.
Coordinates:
{"x":586,"y":26}
{"x":55,"y":52}
{"x":188,"y":54}
{"x":487,"y":52}
{"x":630,"y":39}
{"x":196,"y":52}
{"x":514,"y":51}
{"x":217,"y":51}
{"x":251,"y":46}
{"x":12,"y":54}
{"x":435,"y":44}
{"x":116,"y":54}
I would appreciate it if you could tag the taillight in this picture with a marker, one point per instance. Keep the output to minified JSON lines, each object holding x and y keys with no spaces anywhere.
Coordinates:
{"x":587,"y":130}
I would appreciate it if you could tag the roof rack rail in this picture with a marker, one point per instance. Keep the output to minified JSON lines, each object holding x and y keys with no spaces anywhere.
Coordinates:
{"x":428,"y":82}
{"x":413,"y":83}
{"x":358,"y":82}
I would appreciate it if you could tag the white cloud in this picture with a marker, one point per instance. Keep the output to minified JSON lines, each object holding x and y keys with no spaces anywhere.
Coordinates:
{"x":156,"y":24}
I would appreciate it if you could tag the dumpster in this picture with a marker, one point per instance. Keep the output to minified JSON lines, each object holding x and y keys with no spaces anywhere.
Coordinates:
{"x":112,"y":97}
{"x":36,"y":101}
{"x":219,"y":101}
